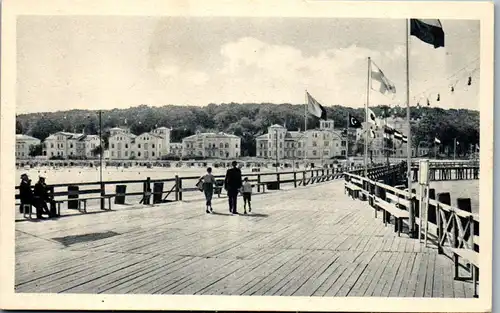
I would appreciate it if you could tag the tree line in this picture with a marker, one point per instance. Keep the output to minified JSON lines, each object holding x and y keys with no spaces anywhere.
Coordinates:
{"x":247,"y":121}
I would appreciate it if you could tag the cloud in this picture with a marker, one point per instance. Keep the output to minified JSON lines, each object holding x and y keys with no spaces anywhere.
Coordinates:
{"x":170,"y":72}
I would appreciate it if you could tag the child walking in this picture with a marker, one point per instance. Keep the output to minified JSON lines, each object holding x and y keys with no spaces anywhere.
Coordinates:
{"x":208,"y":182}
{"x":247,"y":194}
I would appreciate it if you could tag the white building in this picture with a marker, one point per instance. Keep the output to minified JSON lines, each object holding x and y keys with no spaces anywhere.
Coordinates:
{"x":212,"y":145}
{"x":70,"y":145}
{"x":176,"y":149}
{"x":24,"y":144}
{"x":323,"y":143}
{"x":146,"y":146}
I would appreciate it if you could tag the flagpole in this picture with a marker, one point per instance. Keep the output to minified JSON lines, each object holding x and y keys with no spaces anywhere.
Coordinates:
{"x":366,"y":116}
{"x":347,"y":137}
{"x":454,"y":148}
{"x":305,"y":129}
{"x":408,"y":147}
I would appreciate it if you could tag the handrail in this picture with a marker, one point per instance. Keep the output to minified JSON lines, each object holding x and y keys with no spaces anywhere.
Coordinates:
{"x":407,"y":194}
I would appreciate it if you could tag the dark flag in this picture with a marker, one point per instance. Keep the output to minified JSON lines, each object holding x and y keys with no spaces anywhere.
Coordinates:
{"x":354,"y":122}
{"x":429,"y":31}
{"x":398,"y":135}
{"x":315,"y":108}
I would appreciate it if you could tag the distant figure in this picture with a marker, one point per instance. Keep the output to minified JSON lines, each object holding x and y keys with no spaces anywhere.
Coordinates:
{"x":246,"y":190}
{"x":207,"y":186}
{"x":232,"y":184}
{"x":26,"y":195}
{"x":42,"y":197}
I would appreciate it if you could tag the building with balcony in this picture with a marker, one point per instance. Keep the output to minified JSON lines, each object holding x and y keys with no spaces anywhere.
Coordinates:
{"x":24,"y":144}
{"x":176,"y":149}
{"x":322,"y":143}
{"x":146,"y":146}
{"x":212,"y":145}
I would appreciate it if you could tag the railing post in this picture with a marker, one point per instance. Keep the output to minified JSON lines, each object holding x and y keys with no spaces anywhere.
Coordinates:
{"x":439,"y":228}
{"x":303,"y":178}
{"x":278,"y":181}
{"x":176,"y":187}
{"x":295,"y":179}
{"x":180,"y":188}
{"x":103,"y":193}
{"x":258,"y":182}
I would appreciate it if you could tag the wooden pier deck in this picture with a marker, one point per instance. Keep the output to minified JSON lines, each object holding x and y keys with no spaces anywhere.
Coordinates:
{"x":309,"y":241}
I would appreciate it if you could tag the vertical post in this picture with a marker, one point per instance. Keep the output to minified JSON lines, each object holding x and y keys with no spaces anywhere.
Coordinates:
{"x":408,"y":148}
{"x":366,"y":115}
{"x":176,"y":187}
{"x":179,"y":186}
{"x":278,"y":181}
{"x":454,"y":148}
{"x":258,"y":182}
{"x":294,"y":179}
{"x":103,"y":190}
{"x":304,"y":178}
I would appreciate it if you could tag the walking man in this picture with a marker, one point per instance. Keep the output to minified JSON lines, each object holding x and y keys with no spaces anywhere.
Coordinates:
{"x":232,"y":184}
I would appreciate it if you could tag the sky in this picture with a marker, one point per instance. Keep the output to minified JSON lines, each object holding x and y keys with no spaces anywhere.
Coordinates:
{"x":106,"y":62}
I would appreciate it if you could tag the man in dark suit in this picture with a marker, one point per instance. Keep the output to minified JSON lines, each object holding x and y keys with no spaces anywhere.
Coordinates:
{"x":26,"y":195}
{"x":232,"y":184}
{"x":42,"y":197}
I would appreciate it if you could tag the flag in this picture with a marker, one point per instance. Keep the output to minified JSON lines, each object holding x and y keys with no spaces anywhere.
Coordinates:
{"x":372,"y":118}
{"x":398,"y":135}
{"x":315,"y":108}
{"x":405,"y":139}
{"x":389,"y":130}
{"x":372,"y":133}
{"x":429,"y":31}
{"x":436,"y":140}
{"x":380,"y":82}
{"x":354,"y":122}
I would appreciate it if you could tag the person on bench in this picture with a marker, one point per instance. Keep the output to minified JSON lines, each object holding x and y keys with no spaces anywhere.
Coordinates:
{"x":26,"y":196}
{"x":42,"y":196}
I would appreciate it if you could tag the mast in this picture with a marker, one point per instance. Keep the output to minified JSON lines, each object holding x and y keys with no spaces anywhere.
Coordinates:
{"x":408,"y":147}
{"x":366,"y":116}
{"x":347,"y":138}
{"x":305,"y":130}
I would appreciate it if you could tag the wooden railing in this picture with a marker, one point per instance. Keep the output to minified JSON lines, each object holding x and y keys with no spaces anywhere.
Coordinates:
{"x":177,"y":188}
{"x":449,"y":227}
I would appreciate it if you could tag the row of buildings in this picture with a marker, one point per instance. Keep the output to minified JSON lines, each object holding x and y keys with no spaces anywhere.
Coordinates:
{"x":278,"y":143}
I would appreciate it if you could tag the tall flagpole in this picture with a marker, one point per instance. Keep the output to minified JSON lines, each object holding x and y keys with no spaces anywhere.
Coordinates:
{"x":305,"y":129}
{"x":366,"y":116}
{"x":408,"y":147}
{"x":347,"y":138}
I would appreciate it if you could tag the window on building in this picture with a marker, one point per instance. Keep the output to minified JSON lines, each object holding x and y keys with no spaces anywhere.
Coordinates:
{"x":281,"y":145}
{"x":314,"y":144}
{"x":226,"y":145}
{"x":152,"y":153}
{"x":52,"y":153}
{"x":71,"y":145}
{"x":299,"y":153}
{"x":326,"y":152}
{"x":200,"y":145}
{"x":139,"y":146}
{"x":314,"y":152}
{"x":126,"y":146}
{"x":139,"y":153}
{"x":112,"y":153}
{"x":327,"y":143}
{"x":342,"y":152}
{"x":126,"y":153}
{"x":153,"y":145}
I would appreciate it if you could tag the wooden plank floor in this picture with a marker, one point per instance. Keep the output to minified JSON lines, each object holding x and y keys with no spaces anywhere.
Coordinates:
{"x":311,"y":241}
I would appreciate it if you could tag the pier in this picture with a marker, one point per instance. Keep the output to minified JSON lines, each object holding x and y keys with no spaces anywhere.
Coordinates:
{"x":337,"y":247}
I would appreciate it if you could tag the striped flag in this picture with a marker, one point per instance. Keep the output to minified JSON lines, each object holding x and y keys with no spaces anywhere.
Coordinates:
{"x":398,"y":135}
{"x":372,"y":118}
{"x":380,"y":82}
{"x":429,"y":31}
{"x":315,"y":108}
{"x":405,"y":139}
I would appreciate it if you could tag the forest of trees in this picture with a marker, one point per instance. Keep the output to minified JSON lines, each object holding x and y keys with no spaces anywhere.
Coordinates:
{"x":246,"y":120}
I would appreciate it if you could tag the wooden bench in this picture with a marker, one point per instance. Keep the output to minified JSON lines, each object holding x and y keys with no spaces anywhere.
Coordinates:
{"x":84,"y":201}
{"x":28,"y":210}
{"x":391,"y":209}
{"x":472,"y":257}
{"x":352,"y":190}
{"x":400,"y":202}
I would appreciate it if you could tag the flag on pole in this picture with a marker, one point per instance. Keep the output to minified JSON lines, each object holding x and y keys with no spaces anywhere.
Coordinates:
{"x":354,"y":122}
{"x":405,"y":139}
{"x":372,"y":133}
{"x":429,"y":31}
{"x":380,"y":82}
{"x":315,"y":108}
{"x":398,"y":135}
{"x":372,"y":118}
{"x":436,"y":140}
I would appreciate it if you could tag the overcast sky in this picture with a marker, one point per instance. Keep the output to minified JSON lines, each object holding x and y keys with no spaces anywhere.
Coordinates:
{"x":120,"y":62}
